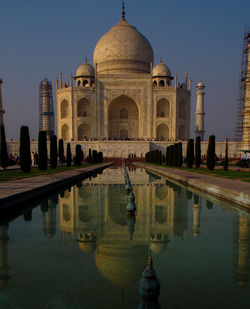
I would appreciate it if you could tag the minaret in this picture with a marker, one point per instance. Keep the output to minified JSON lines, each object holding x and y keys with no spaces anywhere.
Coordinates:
{"x":243,"y":243}
{"x":196,"y":216}
{"x":246,"y":111}
{"x":49,"y":219}
{"x":1,"y":104}
{"x":149,"y":288}
{"x":199,"y":114}
{"x":4,"y":268}
{"x":46,"y":109}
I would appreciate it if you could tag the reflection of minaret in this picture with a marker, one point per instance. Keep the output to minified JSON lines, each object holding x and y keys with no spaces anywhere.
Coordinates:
{"x":196,"y":216}
{"x":243,"y":251}
{"x":49,"y":219}
{"x":1,"y":104}
{"x":149,"y":288}
{"x":4,"y":255}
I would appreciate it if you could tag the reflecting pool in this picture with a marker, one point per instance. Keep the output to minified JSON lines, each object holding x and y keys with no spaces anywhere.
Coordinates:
{"x":80,"y":249}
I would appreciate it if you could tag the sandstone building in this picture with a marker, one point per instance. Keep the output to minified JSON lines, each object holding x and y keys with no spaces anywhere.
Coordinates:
{"x":123,"y":96}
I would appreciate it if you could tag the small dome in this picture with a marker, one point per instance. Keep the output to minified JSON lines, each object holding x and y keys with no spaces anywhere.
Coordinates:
{"x":85,"y":69}
{"x":200,"y":84}
{"x":123,"y":49}
{"x":158,"y":247}
{"x":123,"y":263}
{"x":161,"y":70}
{"x":87,"y":247}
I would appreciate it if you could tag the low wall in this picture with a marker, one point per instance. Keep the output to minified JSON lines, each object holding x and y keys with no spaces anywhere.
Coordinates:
{"x":116,"y":149}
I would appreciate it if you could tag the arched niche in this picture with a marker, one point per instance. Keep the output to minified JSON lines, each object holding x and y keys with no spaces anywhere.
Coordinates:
{"x":161,"y":214}
{"x":182,"y":132}
{"x":162,"y":132}
{"x":64,"y":109}
{"x":83,"y":108}
{"x":84,"y":132}
{"x":182,"y":110}
{"x":161,"y":192}
{"x":65,"y":132}
{"x":123,"y":115}
{"x":163,"y":108}
{"x":85,"y":83}
{"x":161,"y":83}
{"x":66,"y":213}
{"x":85,"y":213}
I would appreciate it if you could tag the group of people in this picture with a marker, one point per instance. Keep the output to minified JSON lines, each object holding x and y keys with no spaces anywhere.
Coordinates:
{"x":15,"y":159}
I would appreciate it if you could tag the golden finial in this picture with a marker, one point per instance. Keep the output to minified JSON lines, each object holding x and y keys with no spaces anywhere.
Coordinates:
{"x":123,"y":10}
{"x":161,"y":60}
{"x":150,"y":261}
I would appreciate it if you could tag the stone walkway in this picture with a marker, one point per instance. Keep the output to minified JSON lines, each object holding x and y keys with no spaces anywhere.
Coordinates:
{"x":230,"y":190}
{"x":18,"y":191}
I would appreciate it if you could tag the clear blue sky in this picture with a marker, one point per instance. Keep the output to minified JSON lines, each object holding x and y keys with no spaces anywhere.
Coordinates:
{"x":41,"y":38}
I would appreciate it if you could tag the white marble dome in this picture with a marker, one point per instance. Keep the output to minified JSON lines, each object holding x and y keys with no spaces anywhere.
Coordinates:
{"x":85,"y":69}
{"x":161,"y":70}
{"x":123,"y":49}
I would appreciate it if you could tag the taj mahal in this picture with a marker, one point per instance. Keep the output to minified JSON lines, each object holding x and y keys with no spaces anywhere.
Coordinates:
{"x":125,"y":104}
{"x":124,"y":96}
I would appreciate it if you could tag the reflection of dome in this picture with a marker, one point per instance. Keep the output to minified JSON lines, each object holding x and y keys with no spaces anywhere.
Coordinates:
{"x":161,"y":70}
{"x":158,"y":247}
{"x":123,"y":49}
{"x":122,"y":264}
{"x":85,"y":69}
{"x":87,"y":247}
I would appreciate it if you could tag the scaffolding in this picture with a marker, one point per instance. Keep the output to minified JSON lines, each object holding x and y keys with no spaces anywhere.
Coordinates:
{"x":46,"y":110}
{"x":242,"y":90}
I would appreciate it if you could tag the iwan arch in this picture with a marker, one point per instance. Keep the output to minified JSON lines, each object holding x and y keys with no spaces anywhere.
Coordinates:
{"x":124,"y":96}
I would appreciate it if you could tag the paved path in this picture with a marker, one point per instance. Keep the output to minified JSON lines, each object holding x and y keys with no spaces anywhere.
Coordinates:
{"x":230,"y":190}
{"x":12,"y":192}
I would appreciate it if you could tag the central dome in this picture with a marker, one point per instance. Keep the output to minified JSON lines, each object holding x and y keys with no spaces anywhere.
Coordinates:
{"x":123,"y":50}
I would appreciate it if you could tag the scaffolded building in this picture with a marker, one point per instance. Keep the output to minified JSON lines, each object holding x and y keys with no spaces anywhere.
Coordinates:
{"x":242,"y":89}
{"x":46,"y":110}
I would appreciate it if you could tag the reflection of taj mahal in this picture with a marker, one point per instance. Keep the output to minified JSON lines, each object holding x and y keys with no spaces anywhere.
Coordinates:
{"x":96,"y":216}
{"x":123,"y":96}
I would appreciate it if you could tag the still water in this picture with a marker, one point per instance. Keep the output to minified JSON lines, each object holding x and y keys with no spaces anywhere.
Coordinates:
{"x":79,"y":249}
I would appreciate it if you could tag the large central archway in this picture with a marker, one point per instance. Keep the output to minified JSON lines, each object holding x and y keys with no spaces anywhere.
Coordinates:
{"x":123,"y":118}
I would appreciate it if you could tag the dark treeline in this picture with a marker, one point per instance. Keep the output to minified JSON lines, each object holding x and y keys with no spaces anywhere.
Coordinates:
{"x":174,"y":155}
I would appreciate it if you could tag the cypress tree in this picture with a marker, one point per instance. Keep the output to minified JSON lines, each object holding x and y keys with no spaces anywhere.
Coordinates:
{"x":69,"y":156}
{"x":180,"y":155}
{"x":90,"y":160}
{"x":3,"y":148}
{"x":78,"y":155}
{"x":171,"y":153}
{"x":226,"y":157}
{"x":211,"y":153}
{"x":209,"y":205}
{"x":175,"y":154}
{"x":27,"y":215}
{"x":61,"y":152}
{"x":190,"y":153}
{"x":197,"y":152}
{"x":189,"y":194}
{"x":94,"y":159}
{"x":196,"y":199}
{"x":167,"y":156}
{"x":53,"y":151}
{"x":24,"y":152}
{"x":42,"y":151}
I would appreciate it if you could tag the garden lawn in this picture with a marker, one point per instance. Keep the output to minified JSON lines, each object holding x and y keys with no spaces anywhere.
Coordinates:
{"x":230,"y":174}
{"x":18,"y":174}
